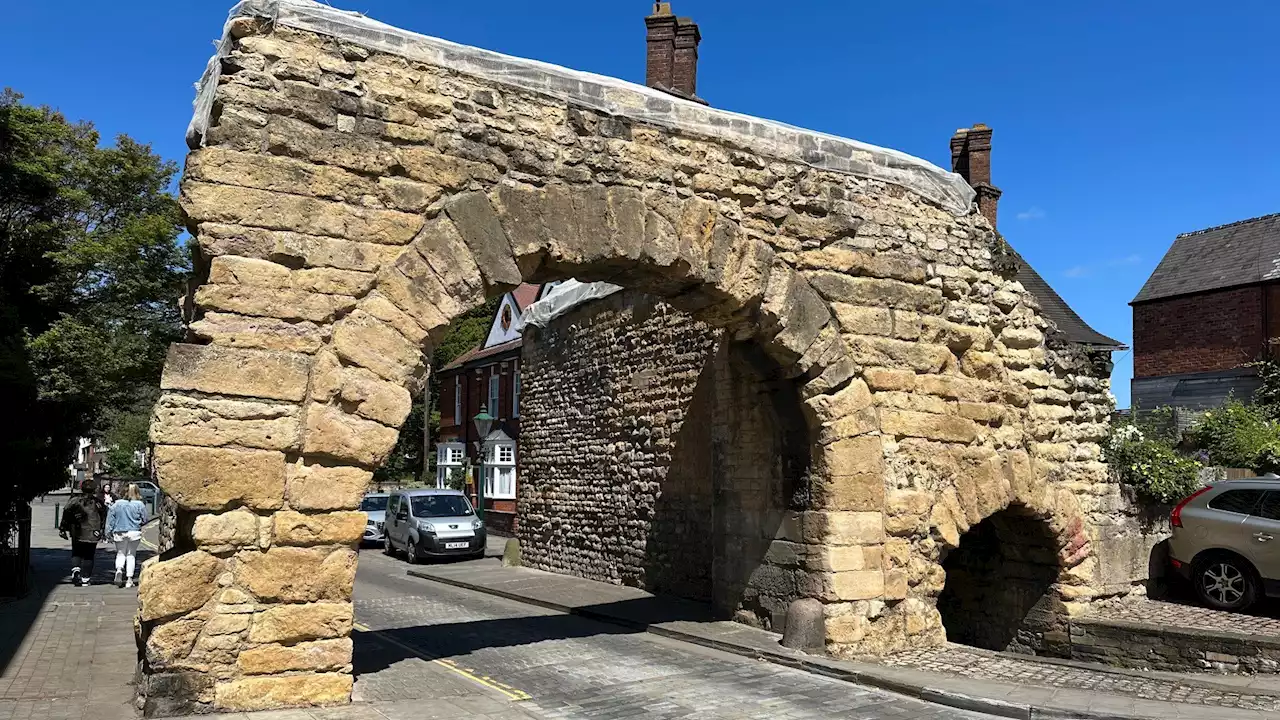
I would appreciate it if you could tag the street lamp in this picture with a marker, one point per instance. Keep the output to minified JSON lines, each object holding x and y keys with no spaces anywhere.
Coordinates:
{"x":484,"y":423}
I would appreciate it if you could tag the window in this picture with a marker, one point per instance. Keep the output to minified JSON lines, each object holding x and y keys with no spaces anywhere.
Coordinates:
{"x":374,"y":503}
{"x":515,"y":393}
{"x":1237,"y":501}
{"x":493,"y":394}
{"x":449,"y":460}
{"x":500,"y":471}
{"x":457,"y":400}
{"x":1270,"y":506}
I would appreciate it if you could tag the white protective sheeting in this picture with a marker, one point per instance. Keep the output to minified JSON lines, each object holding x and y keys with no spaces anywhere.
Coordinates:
{"x":597,"y":92}
{"x":563,"y":298}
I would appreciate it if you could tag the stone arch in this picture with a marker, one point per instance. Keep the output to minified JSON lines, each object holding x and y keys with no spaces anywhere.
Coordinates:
{"x":349,"y":201}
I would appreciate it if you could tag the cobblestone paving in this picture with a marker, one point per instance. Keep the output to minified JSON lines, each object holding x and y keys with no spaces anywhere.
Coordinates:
{"x":1170,"y":614}
{"x":572,"y":667}
{"x":958,"y":660}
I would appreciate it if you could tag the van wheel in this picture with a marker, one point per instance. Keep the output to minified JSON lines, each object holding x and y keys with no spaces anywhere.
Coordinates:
{"x":1225,"y":582}
{"x":388,"y":549}
{"x":411,"y":553}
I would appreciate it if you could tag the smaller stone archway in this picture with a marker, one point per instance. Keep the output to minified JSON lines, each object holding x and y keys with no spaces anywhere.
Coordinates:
{"x":999,"y":592}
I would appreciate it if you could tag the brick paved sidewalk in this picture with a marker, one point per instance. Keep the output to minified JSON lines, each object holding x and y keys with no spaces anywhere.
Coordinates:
{"x":997,"y":683}
{"x":67,"y":653}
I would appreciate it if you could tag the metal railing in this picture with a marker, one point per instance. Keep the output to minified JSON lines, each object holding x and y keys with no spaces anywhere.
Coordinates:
{"x":15,"y":548}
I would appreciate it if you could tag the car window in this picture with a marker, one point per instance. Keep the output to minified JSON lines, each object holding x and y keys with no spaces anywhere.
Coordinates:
{"x":374,"y":503}
{"x":1270,"y":508}
{"x":1237,"y":501}
{"x":393,"y":505}
{"x":440,"y":506}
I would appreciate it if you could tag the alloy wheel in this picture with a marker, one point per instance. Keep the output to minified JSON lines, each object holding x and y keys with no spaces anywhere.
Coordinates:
{"x":1224,"y":583}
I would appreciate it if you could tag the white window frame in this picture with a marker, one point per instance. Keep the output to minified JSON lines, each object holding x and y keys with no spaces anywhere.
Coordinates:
{"x":494,"y":382}
{"x":500,"y":471}
{"x":449,"y":455}
{"x":457,"y":400}
{"x":515,"y":392}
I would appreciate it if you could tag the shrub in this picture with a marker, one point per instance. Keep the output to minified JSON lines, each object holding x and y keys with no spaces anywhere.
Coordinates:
{"x":1149,"y":464}
{"x":1235,"y":434}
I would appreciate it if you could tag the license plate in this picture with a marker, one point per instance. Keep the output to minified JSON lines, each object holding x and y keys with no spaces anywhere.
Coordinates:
{"x":455,"y":546}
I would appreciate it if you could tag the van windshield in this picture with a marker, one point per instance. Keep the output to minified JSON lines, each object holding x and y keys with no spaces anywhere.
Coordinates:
{"x":427,"y":506}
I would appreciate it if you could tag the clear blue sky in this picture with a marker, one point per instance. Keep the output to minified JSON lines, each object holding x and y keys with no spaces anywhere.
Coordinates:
{"x":1117,"y":125}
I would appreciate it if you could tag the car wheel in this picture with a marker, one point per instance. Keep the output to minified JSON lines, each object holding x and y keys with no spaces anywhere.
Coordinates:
{"x":387,"y":548}
{"x":1225,"y":582}
{"x":411,"y":553}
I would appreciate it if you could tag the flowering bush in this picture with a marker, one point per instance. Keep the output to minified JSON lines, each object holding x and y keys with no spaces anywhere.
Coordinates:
{"x":1235,"y":434}
{"x":1150,"y":465}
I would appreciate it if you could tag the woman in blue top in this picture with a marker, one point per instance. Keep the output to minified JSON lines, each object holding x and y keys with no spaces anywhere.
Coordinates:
{"x":124,"y":527}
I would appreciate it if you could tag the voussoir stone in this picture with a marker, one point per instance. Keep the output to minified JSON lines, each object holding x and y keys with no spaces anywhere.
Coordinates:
{"x":177,"y":586}
{"x":482,"y":231}
{"x":266,"y":374}
{"x":201,"y":478}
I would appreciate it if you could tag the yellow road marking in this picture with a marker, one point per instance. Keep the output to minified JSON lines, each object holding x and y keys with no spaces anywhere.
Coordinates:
{"x":452,"y":666}
{"x":147,"y":543}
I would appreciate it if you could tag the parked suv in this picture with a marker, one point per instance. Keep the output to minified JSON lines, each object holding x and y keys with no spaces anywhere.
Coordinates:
{"x":432,"y":523}
{"x":1225,"y":541}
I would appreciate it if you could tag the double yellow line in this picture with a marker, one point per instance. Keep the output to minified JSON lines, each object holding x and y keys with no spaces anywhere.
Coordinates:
{"x":452,"y":666}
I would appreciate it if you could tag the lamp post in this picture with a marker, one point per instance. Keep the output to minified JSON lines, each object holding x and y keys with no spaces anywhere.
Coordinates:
{"x":484,"y":423}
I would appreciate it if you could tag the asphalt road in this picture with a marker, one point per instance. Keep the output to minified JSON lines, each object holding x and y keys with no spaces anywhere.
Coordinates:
{"x":464,"y":654}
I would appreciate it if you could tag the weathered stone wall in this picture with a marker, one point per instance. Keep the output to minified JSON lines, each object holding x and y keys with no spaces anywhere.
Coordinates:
{"x":349,"y":203}
{"x":668,"y":472}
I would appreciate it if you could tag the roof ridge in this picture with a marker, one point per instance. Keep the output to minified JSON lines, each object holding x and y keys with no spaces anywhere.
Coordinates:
{"x":1227,"y":225}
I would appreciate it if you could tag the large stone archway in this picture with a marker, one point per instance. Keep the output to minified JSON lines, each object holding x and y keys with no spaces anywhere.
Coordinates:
{"x":353,"y":188}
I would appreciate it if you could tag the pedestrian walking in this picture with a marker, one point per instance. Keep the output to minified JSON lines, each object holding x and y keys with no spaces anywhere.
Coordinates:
{"x":82,"y":520}
{"x":124,"y":527}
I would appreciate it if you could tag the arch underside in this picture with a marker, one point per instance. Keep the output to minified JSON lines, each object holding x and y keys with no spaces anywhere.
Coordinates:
{"x":349,"y":204}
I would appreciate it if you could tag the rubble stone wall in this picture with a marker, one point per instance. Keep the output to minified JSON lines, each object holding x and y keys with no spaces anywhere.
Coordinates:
{"x":349,"y":203}
{"x":668,"y":472}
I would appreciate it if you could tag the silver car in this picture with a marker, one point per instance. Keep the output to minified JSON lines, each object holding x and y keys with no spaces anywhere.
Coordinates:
{"x":1225,"y":541}
{"x":433,"y":523}
{"x":374,"y":506}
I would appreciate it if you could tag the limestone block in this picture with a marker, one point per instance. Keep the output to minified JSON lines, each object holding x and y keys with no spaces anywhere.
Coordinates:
{"x":859,"y":584}
{"x":202,"y":478}
{"x":448,"y":171}
{"x":319,"y":655}
{"x":235,"y":270}
{"x":177,"y":586}
{"x":797,"y":308}
{"x":888,"y":352}
{"x":482,"y":232}
{"x":286,"y":136}
{"x":982,"y":365}
{"x":844,"y":527}
{"x":337,"y":528}
{"x":272,"y":302}
{"x":217,"y":239}
{"x":297,"y":213}
{"x":886,"y":379}
{"x":276,"y":173}
{"x":1021,"y":338}
{"x":266,"y":374}
{"x":362,"y":339}
{"x":843,"y":558}
{"x":209,"y":422}
{"x":746,"y":271}
{"x":983,"y":412}
{"x":332,"y":281}
{"x":297,"y":575}
{"x":411,"y":286}
{"x":170,"y":643}
{"x":227,"y":624}
{"x":452,"y":263}
{"x":334,"y":433}
{"x":947,"y":428}
{"x":874,"y":292}
{"x":906,"y":511}
{"x":238,"y":331}
{"x":370,"y":396}
{"x":233,"y":529}
{"x":956,"y":387}
{"x":377,"y":305}
{"x":859,"y":320}
{"x":320,"y":487}
{"x":293,"y":623}
{"x":959,"y":338}
{"x":519,"y":209}
{"x":896,"y":266}
{"x":265,"y":693}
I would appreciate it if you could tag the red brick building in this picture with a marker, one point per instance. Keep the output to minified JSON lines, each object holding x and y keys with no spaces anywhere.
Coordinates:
{"x":1207,"y":311}
{"x":486,"y":378}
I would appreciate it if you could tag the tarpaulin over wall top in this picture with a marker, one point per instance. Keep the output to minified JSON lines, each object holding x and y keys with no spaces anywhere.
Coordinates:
{"x":597,"y":92}
{"x":564,"y":297}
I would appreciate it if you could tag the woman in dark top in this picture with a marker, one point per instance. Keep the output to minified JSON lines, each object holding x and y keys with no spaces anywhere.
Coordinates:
{"x":82,"y":521}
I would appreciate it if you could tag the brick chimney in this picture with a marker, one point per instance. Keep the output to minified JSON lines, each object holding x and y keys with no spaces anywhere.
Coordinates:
{"x":672,"y":60}
{"x":971,"y":159}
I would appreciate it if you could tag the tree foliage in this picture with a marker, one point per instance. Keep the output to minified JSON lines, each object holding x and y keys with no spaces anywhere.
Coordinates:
{"x":91,"y":271}
{"x":407,"y":461}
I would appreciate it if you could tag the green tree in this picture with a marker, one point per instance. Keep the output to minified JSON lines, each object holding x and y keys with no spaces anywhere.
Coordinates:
{"x":406,"y":461}
{"x":91,"y":272}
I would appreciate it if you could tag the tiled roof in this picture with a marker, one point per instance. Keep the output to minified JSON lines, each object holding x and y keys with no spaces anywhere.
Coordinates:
{"x":476,"y":353}
{"x":1239,"y":253}
{"x":526,"y":295}
{"x":1071,"y":325}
